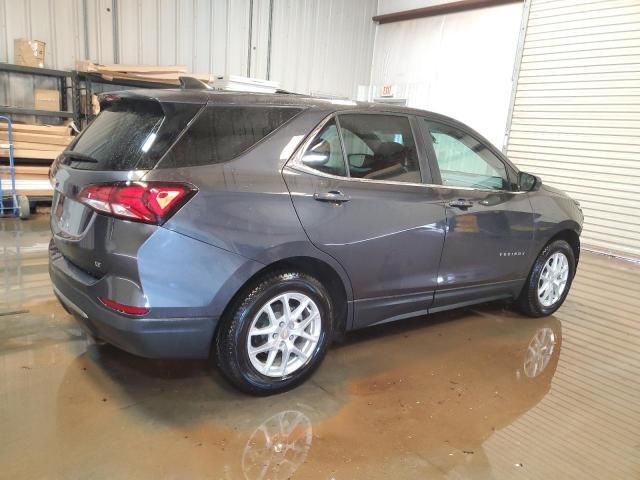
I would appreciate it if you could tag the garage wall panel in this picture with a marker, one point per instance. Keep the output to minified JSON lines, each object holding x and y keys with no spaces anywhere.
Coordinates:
{"x":322,"y":47}
{"x":458,"y":64}
{"x":309,"y":46}
{"x":576,"y":114}
{"x":206,"y":36}
{"x":59,"y":23}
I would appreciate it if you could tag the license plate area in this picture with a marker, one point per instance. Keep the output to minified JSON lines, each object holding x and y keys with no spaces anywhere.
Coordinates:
{"x":71,"y":216}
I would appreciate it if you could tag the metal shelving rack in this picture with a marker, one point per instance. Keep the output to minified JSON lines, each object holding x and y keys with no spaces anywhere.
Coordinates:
{"x":63,"y":85}
{"x":80,"y":83}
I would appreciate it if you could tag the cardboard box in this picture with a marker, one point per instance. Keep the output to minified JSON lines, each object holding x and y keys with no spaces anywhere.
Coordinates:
{"x":47,"y":99}
{"x":28,"y":52}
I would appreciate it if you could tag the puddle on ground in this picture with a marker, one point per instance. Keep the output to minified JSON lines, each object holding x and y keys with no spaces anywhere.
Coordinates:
{"x":482,"y":393}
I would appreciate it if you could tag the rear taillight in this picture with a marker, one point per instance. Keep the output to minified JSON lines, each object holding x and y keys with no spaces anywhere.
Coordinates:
{"x":147,"y":202}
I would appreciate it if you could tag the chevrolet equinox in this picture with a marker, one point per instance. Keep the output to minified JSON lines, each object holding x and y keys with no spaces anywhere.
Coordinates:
{"x":256,"y":228}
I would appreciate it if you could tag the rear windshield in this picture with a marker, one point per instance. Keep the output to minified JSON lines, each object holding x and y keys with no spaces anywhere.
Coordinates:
{"x":221,"y":133}
{"x":129,"y":135}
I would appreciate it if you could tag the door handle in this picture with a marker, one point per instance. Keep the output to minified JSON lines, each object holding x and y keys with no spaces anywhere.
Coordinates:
{"x":460,"y":203}
{"x":333,"y":196}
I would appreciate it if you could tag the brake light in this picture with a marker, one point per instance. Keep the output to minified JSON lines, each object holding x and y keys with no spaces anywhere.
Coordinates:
{"x":120,"y":307}
{"x":147,"y":202}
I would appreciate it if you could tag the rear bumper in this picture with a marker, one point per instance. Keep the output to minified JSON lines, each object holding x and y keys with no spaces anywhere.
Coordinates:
{"x":146,"y":337}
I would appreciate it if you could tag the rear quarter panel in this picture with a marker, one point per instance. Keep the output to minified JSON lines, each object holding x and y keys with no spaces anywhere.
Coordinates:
{"x":243,"y":206}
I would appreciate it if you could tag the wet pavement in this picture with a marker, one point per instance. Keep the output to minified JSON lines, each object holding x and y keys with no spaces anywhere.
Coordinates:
{"x":477,"y":393}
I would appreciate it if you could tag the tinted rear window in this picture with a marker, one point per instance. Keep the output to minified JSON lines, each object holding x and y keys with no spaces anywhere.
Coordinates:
{"x":130,"y":135}
{"x":221,"y":133}
{"x":117,"y":136}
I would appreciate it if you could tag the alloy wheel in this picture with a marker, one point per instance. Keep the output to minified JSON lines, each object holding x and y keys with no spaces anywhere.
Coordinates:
{"x":553,"y":279}
{"x":283,"y":335}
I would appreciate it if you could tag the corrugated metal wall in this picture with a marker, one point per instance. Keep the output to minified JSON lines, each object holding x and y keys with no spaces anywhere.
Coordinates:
{"x":320,"y":46}
{"x":576,"y":115}
{"x":59,"y":23}
{"x":323,"y":46}
{"x":207,"y":36}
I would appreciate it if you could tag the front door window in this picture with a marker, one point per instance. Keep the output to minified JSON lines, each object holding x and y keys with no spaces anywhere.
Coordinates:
{"x":464,"y":161}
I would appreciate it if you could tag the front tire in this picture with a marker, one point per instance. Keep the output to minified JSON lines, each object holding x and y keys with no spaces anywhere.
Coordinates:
{"x":549,"y":280}
{"x":275,"y":334}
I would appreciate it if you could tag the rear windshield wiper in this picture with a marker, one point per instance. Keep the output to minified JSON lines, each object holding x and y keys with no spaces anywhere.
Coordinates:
{"x":79,"y":157}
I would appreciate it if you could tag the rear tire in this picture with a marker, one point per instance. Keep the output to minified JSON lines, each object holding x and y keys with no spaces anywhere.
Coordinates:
{"x":294,"y":342}
{"x":549,"y":280}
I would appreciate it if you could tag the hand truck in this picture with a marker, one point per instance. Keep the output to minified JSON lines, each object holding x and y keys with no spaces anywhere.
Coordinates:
{"x":11,"y":203}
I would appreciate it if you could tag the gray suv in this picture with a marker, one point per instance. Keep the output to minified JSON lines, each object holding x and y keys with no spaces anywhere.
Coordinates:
{"x":259,"y":227}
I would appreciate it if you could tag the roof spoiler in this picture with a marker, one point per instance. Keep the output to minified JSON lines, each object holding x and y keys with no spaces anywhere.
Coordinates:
{"x":191,"y":83}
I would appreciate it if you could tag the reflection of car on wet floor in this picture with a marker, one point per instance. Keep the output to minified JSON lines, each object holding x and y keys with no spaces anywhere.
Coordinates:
{"x":278,"y":447}
{"x":442,"y":405}
{"x":446,"y":405}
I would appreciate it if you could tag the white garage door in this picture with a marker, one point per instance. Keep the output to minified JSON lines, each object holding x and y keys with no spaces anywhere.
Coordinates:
{"x":576,"y":115}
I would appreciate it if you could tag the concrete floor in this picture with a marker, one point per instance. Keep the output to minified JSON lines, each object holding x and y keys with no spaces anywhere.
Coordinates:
{"x":480,"y":393}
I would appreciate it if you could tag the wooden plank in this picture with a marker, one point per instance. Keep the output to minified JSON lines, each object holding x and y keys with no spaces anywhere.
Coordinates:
{"x":155,"y":76}
{"x":63,"y":140}
{"x":142,"y":68}
{"x":32,"y":178}
{"x":32,"y":170}
{"x":45,"y":162}
{"x":205,"y":77}
{"x":33,"y":146}
{"x":124,"y":76}
{"x":37,"y":154}
{"x":26,"y":177}
{"x":34,"y":193}
{"x":41,"y":129}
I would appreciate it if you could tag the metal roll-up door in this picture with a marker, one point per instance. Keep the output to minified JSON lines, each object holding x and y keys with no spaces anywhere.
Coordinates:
{"x":576,"y":113}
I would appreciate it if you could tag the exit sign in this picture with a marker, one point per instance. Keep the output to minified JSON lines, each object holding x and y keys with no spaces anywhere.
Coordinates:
{"x":387,"y":91}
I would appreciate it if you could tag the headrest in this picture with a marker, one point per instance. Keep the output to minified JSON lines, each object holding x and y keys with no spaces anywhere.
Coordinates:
{"x":388,"y":149}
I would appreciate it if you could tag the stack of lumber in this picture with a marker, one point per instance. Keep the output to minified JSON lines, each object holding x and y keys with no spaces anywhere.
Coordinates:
{"x":35,"y":142}
{"x":31,"y":180}
{"x":34,"y":148}
{"x":168,"y":74}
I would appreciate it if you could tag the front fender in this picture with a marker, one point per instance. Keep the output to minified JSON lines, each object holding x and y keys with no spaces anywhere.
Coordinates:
{"x":553,"y":213}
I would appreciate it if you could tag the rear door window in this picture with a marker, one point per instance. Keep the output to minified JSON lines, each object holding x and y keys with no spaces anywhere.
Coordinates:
{"x":221,"y":133}
{"x":380,"y":147}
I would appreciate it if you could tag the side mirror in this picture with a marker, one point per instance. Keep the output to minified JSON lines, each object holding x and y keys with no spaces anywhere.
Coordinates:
{"x":317,"y":155}
{"x":528,"y":182}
